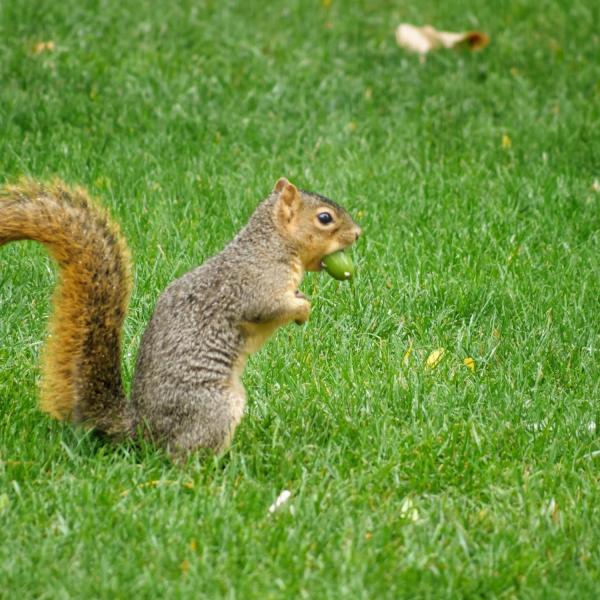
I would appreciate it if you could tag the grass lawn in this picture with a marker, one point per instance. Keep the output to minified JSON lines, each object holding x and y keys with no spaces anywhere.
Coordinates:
{"x":476,"y":178}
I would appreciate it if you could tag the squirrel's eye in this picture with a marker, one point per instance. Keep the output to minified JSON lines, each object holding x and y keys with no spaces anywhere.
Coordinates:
{"x":325,"y":218}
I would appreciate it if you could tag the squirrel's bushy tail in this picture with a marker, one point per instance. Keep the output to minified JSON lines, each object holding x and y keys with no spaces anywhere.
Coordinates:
{"x":81,"y":370}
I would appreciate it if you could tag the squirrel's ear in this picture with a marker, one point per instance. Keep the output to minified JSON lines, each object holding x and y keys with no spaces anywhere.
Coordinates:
{"x":287,"y":191}
{"x":288,"y":200}
{"x":281,"y":183}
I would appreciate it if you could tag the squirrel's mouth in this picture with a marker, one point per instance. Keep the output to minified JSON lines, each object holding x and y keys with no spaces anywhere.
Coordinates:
{"x":315,"y":265}
{"x":343,"y":244}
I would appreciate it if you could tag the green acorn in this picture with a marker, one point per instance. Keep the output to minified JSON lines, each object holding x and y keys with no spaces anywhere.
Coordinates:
{"x":339,"y":265}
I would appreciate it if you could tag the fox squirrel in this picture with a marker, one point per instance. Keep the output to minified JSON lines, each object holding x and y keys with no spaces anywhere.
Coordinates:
{"x":186,"y":393}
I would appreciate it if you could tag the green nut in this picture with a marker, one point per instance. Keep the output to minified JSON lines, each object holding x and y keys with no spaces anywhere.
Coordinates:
{"x":339,"y":265}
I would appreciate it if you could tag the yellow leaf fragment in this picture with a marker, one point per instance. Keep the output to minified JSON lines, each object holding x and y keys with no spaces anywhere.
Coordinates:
{"x":41,"y":47}
{"x":506,"y":141}
{"x":469,"y":363}
{"x":433,"y":360}
{"x":407,"y":354}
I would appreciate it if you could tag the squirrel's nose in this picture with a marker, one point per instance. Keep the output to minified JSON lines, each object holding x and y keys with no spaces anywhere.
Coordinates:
{"x":357,"y":232}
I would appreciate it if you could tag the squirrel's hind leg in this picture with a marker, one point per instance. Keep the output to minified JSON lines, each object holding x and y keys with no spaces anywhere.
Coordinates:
{"x":207,"y":431}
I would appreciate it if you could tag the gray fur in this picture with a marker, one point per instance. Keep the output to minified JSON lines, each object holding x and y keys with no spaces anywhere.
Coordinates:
{"x":187,"y":355}
{"x":186,"y":392}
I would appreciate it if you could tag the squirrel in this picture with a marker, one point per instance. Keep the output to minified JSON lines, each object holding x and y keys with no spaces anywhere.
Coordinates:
{"x":186,"y":392}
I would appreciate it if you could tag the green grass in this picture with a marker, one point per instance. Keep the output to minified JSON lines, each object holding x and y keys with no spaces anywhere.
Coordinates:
{"x":180,"y":117}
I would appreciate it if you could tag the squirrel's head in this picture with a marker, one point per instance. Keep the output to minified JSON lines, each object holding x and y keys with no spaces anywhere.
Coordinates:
{"x":313,"y":224}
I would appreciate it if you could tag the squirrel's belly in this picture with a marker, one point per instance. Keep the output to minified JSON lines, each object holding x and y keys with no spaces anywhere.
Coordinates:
{"x":238,"y":403}
{"x":256,"y":334}
{"x":237,"y":397}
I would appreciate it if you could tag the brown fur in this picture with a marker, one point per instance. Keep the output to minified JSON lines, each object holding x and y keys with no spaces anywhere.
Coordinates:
{"x":81,"y":377}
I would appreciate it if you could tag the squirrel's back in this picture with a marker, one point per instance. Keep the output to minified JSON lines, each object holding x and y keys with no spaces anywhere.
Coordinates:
{"x":81,"y":374}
